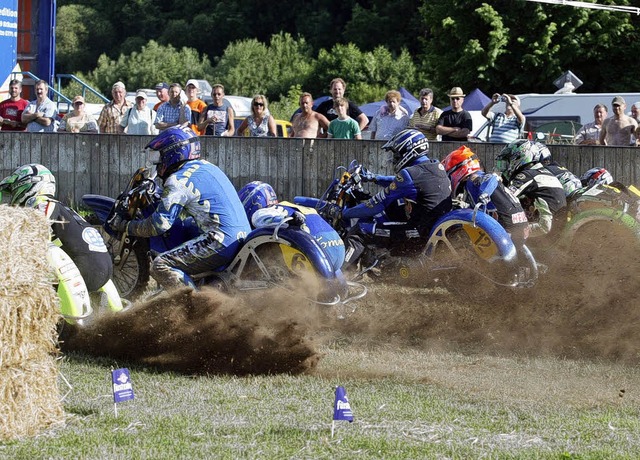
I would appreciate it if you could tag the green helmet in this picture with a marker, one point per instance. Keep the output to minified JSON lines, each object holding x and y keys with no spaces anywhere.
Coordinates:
{"x":28,"y":181}
{"x":515,"y":156}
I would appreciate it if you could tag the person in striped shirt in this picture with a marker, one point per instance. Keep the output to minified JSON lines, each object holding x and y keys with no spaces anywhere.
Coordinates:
{"x":508,"y":125}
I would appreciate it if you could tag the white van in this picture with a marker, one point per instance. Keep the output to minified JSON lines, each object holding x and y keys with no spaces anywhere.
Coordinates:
{"x":560,"y":115}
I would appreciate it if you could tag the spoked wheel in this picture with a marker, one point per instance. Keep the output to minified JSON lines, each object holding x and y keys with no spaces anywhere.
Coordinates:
{"x":274,"y":265}
{"x":131,"y":278}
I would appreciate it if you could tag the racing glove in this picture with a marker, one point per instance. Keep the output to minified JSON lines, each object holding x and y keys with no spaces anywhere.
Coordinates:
{"x":118,"y":224}
{"x":484,"y":199}
{"x":367,"y":176}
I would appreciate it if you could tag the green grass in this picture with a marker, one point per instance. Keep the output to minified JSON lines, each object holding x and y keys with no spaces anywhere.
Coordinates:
{"x":408,"y":403}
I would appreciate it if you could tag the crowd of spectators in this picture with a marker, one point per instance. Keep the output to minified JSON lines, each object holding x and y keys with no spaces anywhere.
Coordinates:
{"x":337,"y":117}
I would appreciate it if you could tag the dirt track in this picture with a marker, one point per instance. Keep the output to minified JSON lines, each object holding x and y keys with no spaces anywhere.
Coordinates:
{"x":585,"y":307}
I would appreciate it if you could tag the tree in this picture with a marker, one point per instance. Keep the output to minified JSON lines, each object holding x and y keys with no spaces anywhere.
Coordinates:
{"x":368,"y":75}
{"x":152,"y":64}
{"x":81,"y":32}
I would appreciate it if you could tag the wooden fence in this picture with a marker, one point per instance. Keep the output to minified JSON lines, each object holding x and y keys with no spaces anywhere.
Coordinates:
{"x":103,"y":164}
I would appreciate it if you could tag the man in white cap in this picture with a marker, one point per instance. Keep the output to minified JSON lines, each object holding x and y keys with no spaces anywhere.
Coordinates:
{"x":197,"y":105}
{"x":618,"y":129}
{"x":139,"y":119}
{"x":112,"y":113}
{"x":505,"y":127}
{"x":455,"y":124}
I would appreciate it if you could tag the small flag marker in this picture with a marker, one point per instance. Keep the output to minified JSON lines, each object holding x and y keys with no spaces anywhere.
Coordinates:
{"x":341,"y":408}
{"x":122,"y":387}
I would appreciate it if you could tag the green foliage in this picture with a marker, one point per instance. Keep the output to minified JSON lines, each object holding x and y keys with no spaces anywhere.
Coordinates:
{"x":249,"y":67}
{"x":287,"y":105}
{"x":152,"y":64}
{"x":80,"y":33}
{"x":368,"y":75}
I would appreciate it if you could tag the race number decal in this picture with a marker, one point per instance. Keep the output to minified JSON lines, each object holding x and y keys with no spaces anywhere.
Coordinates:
{"x":295,"y":260}
{"x":482,"y":243}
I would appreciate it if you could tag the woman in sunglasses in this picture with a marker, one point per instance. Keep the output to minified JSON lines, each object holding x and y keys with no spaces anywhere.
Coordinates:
{"x":78,"y":120}
{"x":260,"y":123}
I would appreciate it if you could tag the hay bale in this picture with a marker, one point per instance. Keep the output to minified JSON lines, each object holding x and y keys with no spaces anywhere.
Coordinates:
{"x":29,"y":311}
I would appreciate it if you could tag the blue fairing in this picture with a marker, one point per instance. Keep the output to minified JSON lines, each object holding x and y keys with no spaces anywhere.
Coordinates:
{"x":306,"y":244}
{"x":100,"y":205}
{"x":492,"y":227}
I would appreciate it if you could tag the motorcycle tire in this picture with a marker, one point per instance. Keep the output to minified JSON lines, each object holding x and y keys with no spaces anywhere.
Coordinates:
{"x":132,"y":278}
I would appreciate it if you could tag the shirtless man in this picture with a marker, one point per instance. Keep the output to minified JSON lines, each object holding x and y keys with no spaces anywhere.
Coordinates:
{"x":618,"y":129}
{"x":308,"y":123}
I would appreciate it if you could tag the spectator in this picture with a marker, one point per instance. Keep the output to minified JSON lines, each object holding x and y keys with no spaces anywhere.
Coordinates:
{"x":162,"y":92}
{"x":343,"y":127}
{"x":589,"y":134}
{"x":196,"y":104}
{"x":327,"y":108}
{"x":41,"y":115}
{"x":390,"y":119}
{"x":173,"y":112}
{"x":78,"y":121}
{"x":260,"y":123}
{"x":11,"y":109}
{"x":308,"y":123}
{"x":505,"y":127}
{"x":618,"y":129}
{"x":426,"y":117}
{"x":455,"y":124}
{"x":112,"y":113}
{"x":140,"y":118}
{"x":217,"y":120}
{"x":635,"y":112}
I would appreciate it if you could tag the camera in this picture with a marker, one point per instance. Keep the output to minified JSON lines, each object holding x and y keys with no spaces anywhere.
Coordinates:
{"x":503,"y":98}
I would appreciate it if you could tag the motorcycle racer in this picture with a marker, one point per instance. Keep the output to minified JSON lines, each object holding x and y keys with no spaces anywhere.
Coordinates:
{"x":264,"y":210}
{"x":469,"y":180}
{"x":196,"y":188}
{"x":420,"y":186}
{"x":33,"y":185}
{"x":540,"y":192}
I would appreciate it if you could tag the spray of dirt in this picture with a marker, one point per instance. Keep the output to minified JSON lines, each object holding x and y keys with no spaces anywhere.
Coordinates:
{"x":207,"y":332}
{"x":586,"y":306}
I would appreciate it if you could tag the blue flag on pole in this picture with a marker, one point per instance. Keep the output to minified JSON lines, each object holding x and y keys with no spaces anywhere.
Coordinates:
{"x":341,"y":407}
{"x":122,"y":387}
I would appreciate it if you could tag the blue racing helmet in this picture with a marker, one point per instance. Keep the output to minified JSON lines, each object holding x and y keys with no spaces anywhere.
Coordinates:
{"x":257,"y":195}
{"x":406,"y":146}
{"x":175,"y":145}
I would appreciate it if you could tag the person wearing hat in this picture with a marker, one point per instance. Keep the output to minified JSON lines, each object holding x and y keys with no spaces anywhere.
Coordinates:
{"x":112,"y":113}
{"x":455,"y":124}
{"x":506,"y":126}
{"x":162,"y":92}
{"x":140,"y":118}
{"x":618,"y":129}
{"x":78,"y":120}
{"x":197,"y":105}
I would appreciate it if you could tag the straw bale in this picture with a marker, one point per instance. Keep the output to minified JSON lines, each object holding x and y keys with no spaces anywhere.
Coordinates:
{"x":30,"y":400}
{"x":29,"y":311}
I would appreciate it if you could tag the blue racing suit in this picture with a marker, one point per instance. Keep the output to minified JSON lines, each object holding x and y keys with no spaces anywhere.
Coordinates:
{"x":200,"y":190}
{"x":423,"y":188}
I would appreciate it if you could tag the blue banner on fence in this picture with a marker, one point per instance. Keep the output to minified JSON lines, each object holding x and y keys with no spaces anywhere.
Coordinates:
{"x":122,"y":387}
{"x":341,"y":407}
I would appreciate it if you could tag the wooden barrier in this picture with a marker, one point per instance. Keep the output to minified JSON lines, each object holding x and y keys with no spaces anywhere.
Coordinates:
{"x":103,"y":163}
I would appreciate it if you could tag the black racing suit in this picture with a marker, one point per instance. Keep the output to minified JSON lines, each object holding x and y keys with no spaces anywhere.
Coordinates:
{"x":543,"y":199}
{"x":79,"y":240}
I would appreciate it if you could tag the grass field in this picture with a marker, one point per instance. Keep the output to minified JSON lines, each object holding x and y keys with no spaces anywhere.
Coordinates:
{"x":407,"y":404}
{"x":426,"y":375}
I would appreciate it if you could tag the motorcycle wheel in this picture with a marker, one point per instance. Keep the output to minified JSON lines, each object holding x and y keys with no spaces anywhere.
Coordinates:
{"x":456,"y":265}
{"x":278,"y":266}
{"x":132,"y":278}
